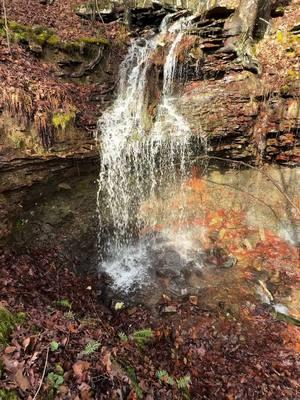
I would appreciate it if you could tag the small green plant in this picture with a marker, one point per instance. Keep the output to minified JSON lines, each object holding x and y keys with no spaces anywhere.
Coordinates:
{"x":65,"y":303}
{"x":91,"y":347}
{"x":134,"y":382}
{"x":55,"y":380}
{"x":59,"y":369}
{"x":164,"y":377}
{"x":123,"y":337}
{"x":184,"y":382}
{"x":142,"y":337}
{"x":69,"y":315}
{"x":54,"y":346}
{"x":8,"y":395}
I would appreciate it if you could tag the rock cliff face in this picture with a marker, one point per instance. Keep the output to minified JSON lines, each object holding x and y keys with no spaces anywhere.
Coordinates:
{"x":241,"y":94}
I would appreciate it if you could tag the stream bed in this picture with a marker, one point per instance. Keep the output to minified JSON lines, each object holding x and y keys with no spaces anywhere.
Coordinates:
{"x":222,"y":236}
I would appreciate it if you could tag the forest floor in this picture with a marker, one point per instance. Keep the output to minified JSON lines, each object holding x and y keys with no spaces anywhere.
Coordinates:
{"x":36,"y":83}
{"x":64,"y":344}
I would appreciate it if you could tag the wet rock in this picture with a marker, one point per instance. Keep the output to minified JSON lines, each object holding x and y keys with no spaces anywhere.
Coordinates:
{"x":218,"y":257}
{"x":280,"y":308}
{"x":229,"y":262}
{"x":296,"y":29}
{"x":105,"y":292}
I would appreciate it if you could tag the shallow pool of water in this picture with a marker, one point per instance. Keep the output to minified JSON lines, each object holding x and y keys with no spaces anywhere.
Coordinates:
{"x":225,"y":236}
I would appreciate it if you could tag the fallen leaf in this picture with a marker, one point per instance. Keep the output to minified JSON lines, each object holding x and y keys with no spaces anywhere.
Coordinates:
{"x":85,"y":391}
{"x":193,"y":300}
{"x":21,"y":380}
{"x":79,"y":368}
{"x":26,"y":343}
{"x":107,"y":361}
{"x":10,"y":349}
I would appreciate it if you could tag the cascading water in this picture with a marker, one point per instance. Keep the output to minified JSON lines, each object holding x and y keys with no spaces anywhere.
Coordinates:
{"x":136,"y":159}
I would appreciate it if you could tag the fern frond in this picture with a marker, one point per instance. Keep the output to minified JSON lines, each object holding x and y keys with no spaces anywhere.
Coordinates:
{"x":184,"y":382}
{"x":123,"y":337}
{"x":91,"y":347}
{"x":142,"y":336}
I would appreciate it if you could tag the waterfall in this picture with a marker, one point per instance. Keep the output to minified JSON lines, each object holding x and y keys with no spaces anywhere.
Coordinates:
{"x":136,"y":158}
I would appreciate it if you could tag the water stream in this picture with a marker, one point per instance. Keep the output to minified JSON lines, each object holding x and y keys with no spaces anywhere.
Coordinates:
{"x":137,"y":155}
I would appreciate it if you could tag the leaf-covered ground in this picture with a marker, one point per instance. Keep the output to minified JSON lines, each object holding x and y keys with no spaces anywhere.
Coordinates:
{"x":32,"y":85}
{"x":80,"y":350}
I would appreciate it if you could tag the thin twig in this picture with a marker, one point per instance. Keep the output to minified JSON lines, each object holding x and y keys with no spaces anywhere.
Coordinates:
{"x":265,"y":174}
{"x":43,"y":375}
{"x":100,"y":16}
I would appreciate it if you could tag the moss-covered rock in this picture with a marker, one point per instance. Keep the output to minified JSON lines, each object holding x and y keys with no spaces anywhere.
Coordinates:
{"x":26,"y":34}
{"x":43,"y":36}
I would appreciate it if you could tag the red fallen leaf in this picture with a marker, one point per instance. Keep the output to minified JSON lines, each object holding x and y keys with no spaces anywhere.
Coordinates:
{"x":106,"y":360}
{"x":21,"y":380}
{"x":9,"y":364}
{"x":79,"y":368}
{"x":10,"y":349}
{"x":72,"y":328}
{"x":85,"y":391}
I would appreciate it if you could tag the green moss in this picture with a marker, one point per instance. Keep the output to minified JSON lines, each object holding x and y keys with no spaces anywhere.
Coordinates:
{"x":84,"y":43}
{"x":7,"y":323}
{"x":8,"y":395}
{"x":62,"y":120}
{"x":16,"y":27}
{"x":44,"y":36}
{"x":280,"y":37}
{"x":25,"y":34}
{"x":53,"y":40}
{"x":20,"y":318}
{"x":293,"y":74}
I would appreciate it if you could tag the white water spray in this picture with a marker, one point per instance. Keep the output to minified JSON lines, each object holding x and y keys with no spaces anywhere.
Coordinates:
{"x":135,"y":158}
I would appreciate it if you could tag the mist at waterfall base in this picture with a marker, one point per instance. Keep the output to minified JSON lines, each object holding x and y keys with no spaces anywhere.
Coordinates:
{"x":160,"y":206}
